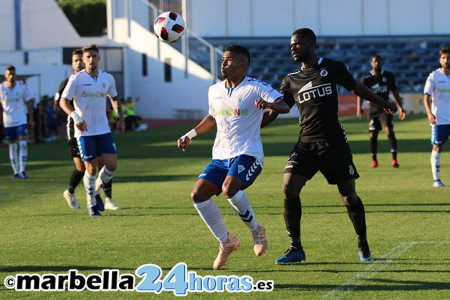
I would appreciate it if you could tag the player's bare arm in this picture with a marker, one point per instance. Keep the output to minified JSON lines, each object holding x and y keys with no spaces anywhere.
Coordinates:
{"x":364,"y":92}
{"x":398,"y":101}
{"x":204,"y":126}
{"x":359,"y":110}
{"x":427,"y":104}
{"x":30,"y":113}
{"x":271,"y":110}
{"x":117,"y":106}
{"x":68,"y":109}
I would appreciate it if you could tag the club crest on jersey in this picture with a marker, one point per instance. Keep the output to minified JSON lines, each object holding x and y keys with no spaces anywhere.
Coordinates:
{"x":323,"y":72}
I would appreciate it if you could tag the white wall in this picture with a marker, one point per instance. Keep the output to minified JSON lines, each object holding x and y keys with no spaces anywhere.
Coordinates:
{"x":217,"y":18}
{"x":160,"y":99}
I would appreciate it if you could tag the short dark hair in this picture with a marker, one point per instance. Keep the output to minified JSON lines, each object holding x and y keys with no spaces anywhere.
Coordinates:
{"x":10,"y":68}
{"x":77,"y":52}
{"x":240,"y":50}
{"x":91,"y":47}
{"x":445,"y":50}
{"x":306,"y":33}
{"x":377,"y":57}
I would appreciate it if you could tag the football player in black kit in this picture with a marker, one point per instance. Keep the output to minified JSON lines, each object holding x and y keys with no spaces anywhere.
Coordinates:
{"x":381,"y":83}
{"x":322,"y":145}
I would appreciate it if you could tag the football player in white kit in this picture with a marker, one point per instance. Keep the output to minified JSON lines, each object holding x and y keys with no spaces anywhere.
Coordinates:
{"x":436,"y":98}
{"x":89,"y":89}
{"x":16,"y":102}
{"x":237,"y":154}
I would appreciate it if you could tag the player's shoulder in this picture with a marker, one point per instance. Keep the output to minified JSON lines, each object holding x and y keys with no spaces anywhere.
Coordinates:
{"x":251,"y":81}
{"x":104,"y":74}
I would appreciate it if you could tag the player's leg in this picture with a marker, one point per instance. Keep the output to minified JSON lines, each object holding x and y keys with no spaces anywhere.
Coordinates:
{"x":108,"y":157}
{"x":208,"y":184}
{"x":439,"y":135}
{"x":243,"y":171}
{"x":89,"y":154}
{"x":107,"y":166}
{"x":356,"y":213}
{"x":374,"y":129}
{"x":388,"y":123}
{"x":11,"y":137}
{"x":300,"y":168}
{"x":76,"y":176}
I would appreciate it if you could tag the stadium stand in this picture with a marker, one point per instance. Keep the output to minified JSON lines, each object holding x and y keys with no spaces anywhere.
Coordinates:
{"x":410,"y":58}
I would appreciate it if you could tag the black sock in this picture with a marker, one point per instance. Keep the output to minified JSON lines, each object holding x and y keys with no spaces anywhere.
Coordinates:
{"x":374,"y":144}
{"x":358,"y":217}
{"x":74,"y":180}
{"x":107,"y":189}
{"x":292,"y":217}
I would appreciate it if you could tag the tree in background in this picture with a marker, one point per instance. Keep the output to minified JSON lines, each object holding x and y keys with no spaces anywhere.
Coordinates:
{"x":87,"y":16}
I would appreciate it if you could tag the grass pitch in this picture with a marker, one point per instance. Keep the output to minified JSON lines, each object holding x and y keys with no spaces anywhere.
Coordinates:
{"x":408,"y":220}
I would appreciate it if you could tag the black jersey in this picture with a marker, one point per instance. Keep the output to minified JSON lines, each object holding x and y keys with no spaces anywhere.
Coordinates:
{"x":70,"y":123}
{"x":380,"y":85}
{"x":314,"y":90}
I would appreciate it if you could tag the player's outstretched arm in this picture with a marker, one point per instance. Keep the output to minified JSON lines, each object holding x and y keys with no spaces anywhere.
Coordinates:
{"x":204,"y":126}
{"x":364,"y":92}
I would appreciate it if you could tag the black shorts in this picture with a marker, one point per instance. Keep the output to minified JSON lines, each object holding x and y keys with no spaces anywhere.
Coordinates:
{"x":73,"y":148}
{"x":334,"y":160}
{"x":378,"y":119}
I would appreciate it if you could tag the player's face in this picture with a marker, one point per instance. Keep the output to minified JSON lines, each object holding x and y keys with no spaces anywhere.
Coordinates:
{"x":231,"y":65}
{"x":90,"y":60}
{"x":376,"y":63}
{"x":445,"y":61}
{"x":300,"y":48}
{"x":77,"y":63}
{"x":10,"y":76}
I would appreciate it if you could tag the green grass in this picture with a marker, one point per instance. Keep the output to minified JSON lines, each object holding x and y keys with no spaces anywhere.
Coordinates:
{"x":408,"y":220}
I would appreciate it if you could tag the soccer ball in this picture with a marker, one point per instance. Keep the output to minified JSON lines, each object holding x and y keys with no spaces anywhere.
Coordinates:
{"x":169,"y":27}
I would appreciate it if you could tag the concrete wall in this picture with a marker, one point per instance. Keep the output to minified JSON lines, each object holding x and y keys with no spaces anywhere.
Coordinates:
{"x":326,"y":17}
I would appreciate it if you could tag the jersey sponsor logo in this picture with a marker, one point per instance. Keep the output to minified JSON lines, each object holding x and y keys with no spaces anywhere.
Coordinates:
{"x":93,"y":95}
{"x":439,"y":90}
{"x":377,"y":88}
{"x":241,"y":168}
{"x":309,"y":92}
{"x":236,"y":112}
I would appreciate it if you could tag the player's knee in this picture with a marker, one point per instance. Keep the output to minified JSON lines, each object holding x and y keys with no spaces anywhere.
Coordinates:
{"x":350,"y":200}
{"x":228,"y":190}
{"x":291,"y":191}
{"x":197,"y":196}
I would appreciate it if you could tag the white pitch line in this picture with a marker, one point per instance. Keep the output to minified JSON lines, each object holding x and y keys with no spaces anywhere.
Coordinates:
{"x":369,"y":272}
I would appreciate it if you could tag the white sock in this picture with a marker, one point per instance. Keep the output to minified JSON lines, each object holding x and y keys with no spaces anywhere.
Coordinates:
{"x":23,"y":155}
{"x":210,"y":214}
{"x":89,"y":185}
{"x":104,"y":176}
{"x":241,"y":205}
{"x":436,"y":165}
{"x":13,"y":157}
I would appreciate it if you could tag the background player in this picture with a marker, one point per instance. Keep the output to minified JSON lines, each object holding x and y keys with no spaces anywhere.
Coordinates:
{"x":16,"y":102}
{"x":89,"y":88}
{"x":436,"y":98}
{"x":381,"y":83}
{"x":237,"y":157}
{"x":78,"y":173}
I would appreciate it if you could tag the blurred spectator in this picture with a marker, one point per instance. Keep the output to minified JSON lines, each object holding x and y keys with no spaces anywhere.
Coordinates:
{"x":132,"y":121}
{"x":50,"y":120}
